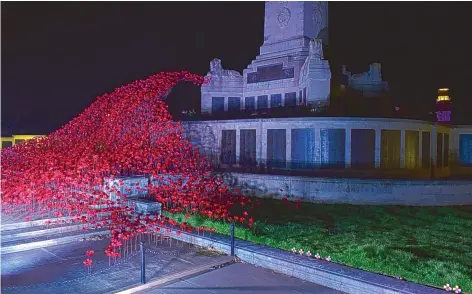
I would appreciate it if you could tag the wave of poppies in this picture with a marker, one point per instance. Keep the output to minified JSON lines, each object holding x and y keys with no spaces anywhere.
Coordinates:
{"x":126,"y":132}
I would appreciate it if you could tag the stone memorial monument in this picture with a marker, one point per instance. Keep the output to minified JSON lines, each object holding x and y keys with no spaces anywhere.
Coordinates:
{"x":290,"y":69}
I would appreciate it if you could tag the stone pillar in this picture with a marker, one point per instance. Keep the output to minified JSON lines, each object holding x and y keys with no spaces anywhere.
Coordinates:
{"x":378,"y":133}
{"x":219,"y":135}
{"x":238,"y":144}
{"x":420,"y":151}
{"x":226,"y":104}
{"x":288,"y":148}
{"x":317,"y":147}
{"x":259,"y":140}
{"x":402,"y":148}
{"x":263,"y":144}
{"x":434,"y":148}
{"x":347,"y":148}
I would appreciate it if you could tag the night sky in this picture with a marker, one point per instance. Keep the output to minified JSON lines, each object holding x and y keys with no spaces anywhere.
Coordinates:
{"x":58,"y":56}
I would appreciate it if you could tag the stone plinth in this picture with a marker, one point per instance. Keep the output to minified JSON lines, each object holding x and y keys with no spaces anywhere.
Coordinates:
{"x":145,"y":206}
{"x":133,"y":186}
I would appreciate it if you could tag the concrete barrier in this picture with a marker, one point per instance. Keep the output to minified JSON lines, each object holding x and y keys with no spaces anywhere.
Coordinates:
{"x":354,"y":191}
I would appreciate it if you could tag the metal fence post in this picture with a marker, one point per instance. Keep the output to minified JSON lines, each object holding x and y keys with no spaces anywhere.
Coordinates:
{"x":143,"y":267}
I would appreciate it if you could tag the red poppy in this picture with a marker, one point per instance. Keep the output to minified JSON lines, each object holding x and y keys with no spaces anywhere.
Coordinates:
{"x":88,"y":262}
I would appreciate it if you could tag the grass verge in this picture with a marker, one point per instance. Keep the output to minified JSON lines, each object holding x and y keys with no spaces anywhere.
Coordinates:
{"x":427,"y":245}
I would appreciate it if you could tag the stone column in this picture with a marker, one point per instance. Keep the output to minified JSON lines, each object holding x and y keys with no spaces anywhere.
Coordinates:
{"x":347,"y":148}
{"x":434,"y":148}
{"x":317,"y":147}
{"x":226,"y":104}
{"x":420,"y":151}
{"x":259,"y":140}
{"x":238,"y":144}
{"x":402,"y":148}
{"x":288,"y":148}
{"x":378,"y":133}
{"x":263,"y":144}
{"x":219,"y":135}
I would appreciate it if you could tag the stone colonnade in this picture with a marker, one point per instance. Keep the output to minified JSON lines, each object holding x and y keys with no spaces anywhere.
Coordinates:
{"x":346,"y":142}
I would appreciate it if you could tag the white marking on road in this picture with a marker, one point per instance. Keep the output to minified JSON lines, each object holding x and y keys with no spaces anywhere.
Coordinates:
{"x":44,"y":249}
{"x":186,"y":261}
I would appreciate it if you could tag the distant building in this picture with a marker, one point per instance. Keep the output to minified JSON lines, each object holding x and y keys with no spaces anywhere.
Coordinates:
{"x":443,"y":107}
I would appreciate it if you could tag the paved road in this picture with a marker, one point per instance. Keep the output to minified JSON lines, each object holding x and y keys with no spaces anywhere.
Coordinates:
{"x":242,"y":278}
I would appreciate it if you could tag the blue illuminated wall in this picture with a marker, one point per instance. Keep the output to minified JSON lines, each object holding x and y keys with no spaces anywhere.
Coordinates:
{"x":303,"y":148}
{"x":465,"y":150}
{"x":276,"y":148}
{"x":333,"y":142}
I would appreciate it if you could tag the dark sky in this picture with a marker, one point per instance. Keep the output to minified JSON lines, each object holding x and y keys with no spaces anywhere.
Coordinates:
{"x":58,"y":56}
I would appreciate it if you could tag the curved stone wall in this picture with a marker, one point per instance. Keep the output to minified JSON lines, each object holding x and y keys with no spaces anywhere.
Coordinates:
{"x":329,"y":142}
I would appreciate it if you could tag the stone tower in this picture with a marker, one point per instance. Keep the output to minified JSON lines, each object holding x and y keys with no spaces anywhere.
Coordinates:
{"x":290,"y":70}
{"x":443,"y":107}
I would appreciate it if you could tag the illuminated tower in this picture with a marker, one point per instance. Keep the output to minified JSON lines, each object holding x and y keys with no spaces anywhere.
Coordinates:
{"x":443,"y":106}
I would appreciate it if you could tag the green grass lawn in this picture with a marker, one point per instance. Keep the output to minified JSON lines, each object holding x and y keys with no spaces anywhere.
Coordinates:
{"x":428,"y":245}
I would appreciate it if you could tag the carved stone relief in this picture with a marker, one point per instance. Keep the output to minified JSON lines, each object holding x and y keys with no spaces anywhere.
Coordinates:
{"x":283,"y":16}
{"x":317,"y":17}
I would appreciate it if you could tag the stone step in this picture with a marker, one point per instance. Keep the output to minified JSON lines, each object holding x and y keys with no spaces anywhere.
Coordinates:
{"x":38,"y":223}
{"x":46,"y":239}
{"x":29,"y":224}
{"x":37,"y":231}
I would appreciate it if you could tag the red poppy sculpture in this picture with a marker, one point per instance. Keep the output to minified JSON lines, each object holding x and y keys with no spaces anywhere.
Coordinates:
{"x":126,"y":132}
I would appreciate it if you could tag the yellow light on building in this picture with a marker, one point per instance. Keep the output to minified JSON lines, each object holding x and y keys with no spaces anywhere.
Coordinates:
{"x":443,"y":98}
{"x":443,"y":95}
{"x":15,"y":139}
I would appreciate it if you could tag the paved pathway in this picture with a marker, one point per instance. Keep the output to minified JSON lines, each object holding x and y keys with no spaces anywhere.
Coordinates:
{"x":59,"y":269}
{"x":242,"y":278}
